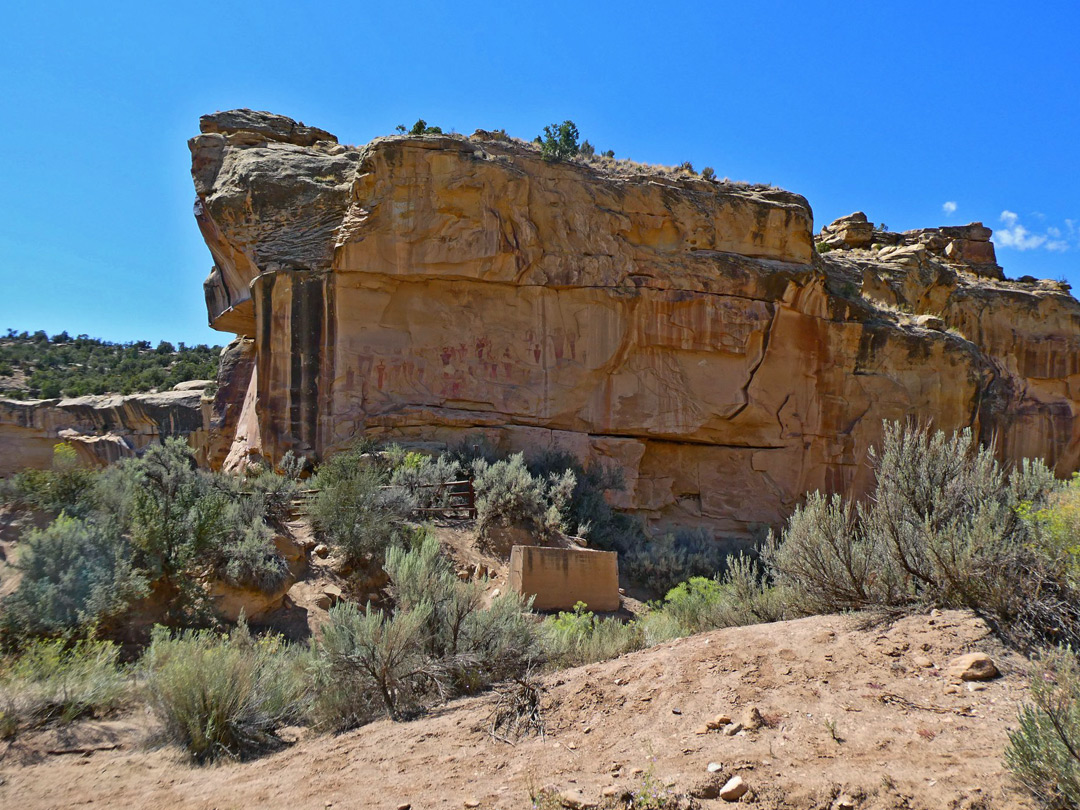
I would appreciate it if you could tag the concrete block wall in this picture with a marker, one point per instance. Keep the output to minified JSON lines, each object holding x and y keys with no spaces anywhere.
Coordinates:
{"x":559,"y":578}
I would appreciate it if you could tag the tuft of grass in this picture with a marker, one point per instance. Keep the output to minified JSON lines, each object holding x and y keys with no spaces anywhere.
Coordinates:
{"x":580,"y":637}
{"x":54,"y":680}
{"x":222,"y":696}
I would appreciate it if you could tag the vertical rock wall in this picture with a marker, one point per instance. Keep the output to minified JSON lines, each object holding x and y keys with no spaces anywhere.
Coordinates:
{"x":430,"y":288}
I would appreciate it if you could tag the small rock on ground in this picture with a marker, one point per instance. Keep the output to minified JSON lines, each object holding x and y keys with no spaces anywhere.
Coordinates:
{"x":734,"y":789}
{"x":975,"y":666}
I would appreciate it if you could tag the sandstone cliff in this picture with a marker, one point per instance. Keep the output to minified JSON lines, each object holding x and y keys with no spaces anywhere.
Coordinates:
{"x":688,"y":331}
{"x":102,"y":429}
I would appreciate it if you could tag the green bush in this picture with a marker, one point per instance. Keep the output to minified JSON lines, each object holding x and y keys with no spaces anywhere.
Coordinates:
{"x":62,"y":488}
{"x":469,"y":647}
{"x":55,"y":680}
{"x":223,"y":696}
{"x":275,"y":491}
{"x":377,"y":656}
{"x":75,"y":574}
{"x":587,"y":510}
{"x":421,"y":128}
{"x":153,"y":523}
{"x":420,"y":476}
{"x":1044,"y":752}
{"x":1057,"y":529}
{"x":663,"y":562}
{"x":507,"y":494}
{"x":357,"y":515}
{"x":947,"y":526}
{"x":830,"y":563}
{"x":738,"y":597}
{"x":438,"y":642}
{"x":579,"y":637}
{"x":559,"y":141}
{"x":251,"y":560}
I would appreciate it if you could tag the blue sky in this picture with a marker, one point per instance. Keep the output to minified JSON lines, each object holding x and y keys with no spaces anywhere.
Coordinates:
{"x":918,"y":113}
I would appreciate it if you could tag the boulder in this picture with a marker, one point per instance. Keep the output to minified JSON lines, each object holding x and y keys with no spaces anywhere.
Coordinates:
{"x":974,"y":666}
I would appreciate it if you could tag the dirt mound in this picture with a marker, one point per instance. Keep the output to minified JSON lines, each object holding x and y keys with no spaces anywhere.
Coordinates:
{"x":851,"y":716}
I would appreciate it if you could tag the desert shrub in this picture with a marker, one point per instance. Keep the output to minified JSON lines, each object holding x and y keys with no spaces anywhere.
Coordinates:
{"x":473,"y":447}
{"x":1057,"y":529}
{"x":559,"y":141}
{"x":175,"y":515}
{"x":421,"y":128}
{"x":75,"y":574}
{"x":275,"y":491}
{"x":708,"y":173}
{"x":468,"y":647}
{"x":580,"y":637}
{"x":222,"y":696}
{"x":947,"y":526}
{"x":420,"y":476}
{"x":507,"y":494}
{"x":378,"y":655}
{"x":498,"y":642}
{"x":154,"y":522}
{"x":63,"y":488}
{"x":587,"y":512}
{"x":1044,"y":752}
{"x":664,"y":561}
{"x":342,"y":696}
{"x":352,"y":509}
{"x":57,"y":680}
{"x":830,"y":562}
{"x":737,"y":597}
{"x":438,"y":641}
{"x":250,"y":559}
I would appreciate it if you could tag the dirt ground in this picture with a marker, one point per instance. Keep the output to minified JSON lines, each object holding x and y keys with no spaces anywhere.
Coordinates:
{"x":856,"y":718}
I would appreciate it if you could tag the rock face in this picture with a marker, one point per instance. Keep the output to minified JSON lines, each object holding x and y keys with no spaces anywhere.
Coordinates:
{"x":102,"y":429}
{"x":433,"y":287}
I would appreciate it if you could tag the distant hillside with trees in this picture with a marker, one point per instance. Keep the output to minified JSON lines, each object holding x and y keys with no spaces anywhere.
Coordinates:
{"x":37,"y":366}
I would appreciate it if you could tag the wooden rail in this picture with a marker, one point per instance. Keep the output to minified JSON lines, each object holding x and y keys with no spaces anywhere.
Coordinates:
{"x":456,"y":496}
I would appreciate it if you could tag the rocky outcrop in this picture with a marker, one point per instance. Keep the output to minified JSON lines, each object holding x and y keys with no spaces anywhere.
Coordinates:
{"x":433,"y":287}
{"x":102,"y":429}
{"x":966,"y":247}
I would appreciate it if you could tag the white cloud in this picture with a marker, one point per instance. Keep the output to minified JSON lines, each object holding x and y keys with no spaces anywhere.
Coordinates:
{"x":1018,"y":237}
{"x":949,"y":207}
{"x":1014,"y":235}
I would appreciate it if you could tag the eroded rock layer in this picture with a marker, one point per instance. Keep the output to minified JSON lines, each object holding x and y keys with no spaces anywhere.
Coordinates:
{"x":435,"y":287}
{"x":102,"y":429}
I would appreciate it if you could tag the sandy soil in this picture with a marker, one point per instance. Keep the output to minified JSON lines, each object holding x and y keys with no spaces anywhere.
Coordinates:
{"x":855,"y":718}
